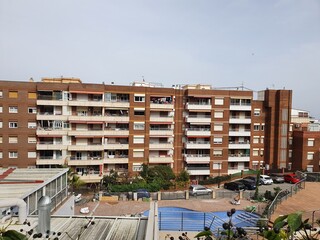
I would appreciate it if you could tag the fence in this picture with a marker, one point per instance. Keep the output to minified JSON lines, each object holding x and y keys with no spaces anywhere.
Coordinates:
{"x":284,"y":195}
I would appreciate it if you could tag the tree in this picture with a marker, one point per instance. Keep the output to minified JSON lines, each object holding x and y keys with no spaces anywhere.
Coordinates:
{"x":74,"y":180}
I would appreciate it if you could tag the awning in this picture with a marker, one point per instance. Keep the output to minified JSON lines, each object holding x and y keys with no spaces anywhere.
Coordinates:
{"x":82,"y":136}
{"x":85,"y":92}
{"x":95,"y":122}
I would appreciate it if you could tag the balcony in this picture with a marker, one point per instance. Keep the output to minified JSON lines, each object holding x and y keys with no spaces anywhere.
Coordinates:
{"x":84,"y":161}
{"x":51,"y":132}
{"x":198,"y":106}
{"x":160,"y":146}
{"x":161,"y":132}
{"x":116,"y":118}
{"x":158,"y":119}
{"x":117,"y":104}
{"x":51,"y":116}
{"x":198,"y":170}
{"x":117,"y":159}
{"x":198,"y":132}
{"x":116,"y":146}
{"x":50,"y":101}
{"x":86,"y":118}
{"x":166,"y":106}
{"x":240,"y":107}
{"x":240,"y":120}
{"x":239,"y":145}
{"x":86,"y":133}
{"x":197,"y":158}
{"x":116,"y":132}
{"x":49,"y":160}
{"x":86,"y":103}
{"x":93,"y":147}
{"x":233,"y":170}
{"x":239,"y":158}
{"x":51,"y":146}
{"x":198,"y":119}
{"x":197,"y":145}
{"x":239,"y":132}
{"x":161,"y":159}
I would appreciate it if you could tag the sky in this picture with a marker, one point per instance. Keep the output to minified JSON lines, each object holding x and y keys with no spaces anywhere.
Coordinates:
{"x":258,"y":44}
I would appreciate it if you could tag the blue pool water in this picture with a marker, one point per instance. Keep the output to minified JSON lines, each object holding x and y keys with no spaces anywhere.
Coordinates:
{"x":183,"y":219}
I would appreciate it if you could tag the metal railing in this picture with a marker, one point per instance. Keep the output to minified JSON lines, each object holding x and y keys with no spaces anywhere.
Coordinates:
{"x":284,"y":195}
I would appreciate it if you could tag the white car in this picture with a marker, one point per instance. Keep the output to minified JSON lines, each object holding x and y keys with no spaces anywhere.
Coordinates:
{"x":266,"y":179}
{"x":195,"y":190}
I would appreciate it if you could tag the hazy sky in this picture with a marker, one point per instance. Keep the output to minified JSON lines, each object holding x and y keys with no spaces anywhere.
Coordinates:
{"x":260,"y":44}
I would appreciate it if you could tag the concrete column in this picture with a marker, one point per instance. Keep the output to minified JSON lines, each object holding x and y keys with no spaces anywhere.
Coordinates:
{"x":159,"y":196}
{"x":187,"y":194}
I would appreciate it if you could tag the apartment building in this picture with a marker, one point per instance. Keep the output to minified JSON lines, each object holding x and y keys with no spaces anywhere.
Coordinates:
{"x":97,"y":128}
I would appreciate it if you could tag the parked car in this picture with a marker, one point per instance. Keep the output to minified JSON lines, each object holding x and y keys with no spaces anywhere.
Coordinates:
{"x":254,"y":178}
{"x":142,"y":193}
{"x":195,"y":190}
{"x":266,"y":179}
{"x":235,"y":186}
{"x":248,"y":183}
{"x":277,"y":178}
{"x":291,"y":178}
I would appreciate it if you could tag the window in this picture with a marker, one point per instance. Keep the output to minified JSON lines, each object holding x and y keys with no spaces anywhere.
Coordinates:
{"x":290,"y":140}
{"x":138,"y":139}
{"x":32,"y":140}
{"x":137,"y":167}
{"x":13,"y":109}
{"x":32,"y":124}
{"x":256,"y":127}
{"x":1,"y":109}
{"x":13,"y":154}
{"x":255,"y":139}
{"x":13,"y":139}
{"x":262,"y":139}
{"x":217,"y":153}
{"x":219,"y":101}
{"x":217,"y":165}
{"x":217,"y":140}
{"x":1,"y":139}
{"x":262,"y":127}
{"x":256,"y":112}
{"x":255,"y":152}
{"x":261,"y":152}
{"x":310,"y":142}
{"x":1,"y":94}
{"x":138,"y":126}
{"x":138,"y":153}
{"x":310,"y":156}
{"x":13,"y":125}
{"x":218,"y":114}
{"x":13,"y":94}
{"x":32,"y":110}
{"x":218,"y":127}
{"x":1,"y":155}
{"x":139,"y":112}
{"x":290,"y":153}
{"x":139,"y":98}
{"x":32,"y":95}
{"x":32,"y":154}
{"x":0,"y":124}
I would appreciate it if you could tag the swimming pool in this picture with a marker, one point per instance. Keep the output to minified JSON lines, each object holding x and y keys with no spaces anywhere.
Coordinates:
{"x":183,"y":219}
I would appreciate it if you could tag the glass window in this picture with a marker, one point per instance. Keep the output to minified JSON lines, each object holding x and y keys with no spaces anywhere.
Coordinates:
{"x":1,"y":109}
{"x":256,"y":112}
{"x":139,"y":98}
{"x":138,"y":126}
{"x":13,"y":109}
{"x":138,"y":153}
{"x":256,"y":127}
{"x":218,"y":127}
{"x":218,"y":114}
{"x":13,"y":139}
{"x":32,"y":154}
{"x":217,"y":153}
{"x":137,"y":168}
{"x":32,"y":140}
{"x":13,"y":124}
{"x":1,"y":139}
{"x":138,"y":139}
{"x":32,"y":110}
{"x":255,"y":139}
{"x":0,"y":124}
{"x":217,"y":140}
{"x":13,"y":94}
{"x":1,"y":94}
{"x":1,"y":155}
{"x":13,"y":154}
{"x":217,"y":166}
{"x":310,"y":155}
{"x":139,"y":113}
{"x":32,"y":95}
{"x":218,"y":101}
{"x":32,"y":124}
{"x":255,"y":152}
{"x":310,"y":142}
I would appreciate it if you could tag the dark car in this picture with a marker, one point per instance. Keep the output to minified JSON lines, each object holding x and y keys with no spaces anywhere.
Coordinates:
{"x":142,"y":193}
{"x":254,"y":178}
{"x":235,"y":186}
{"x":291,"y":178}
{"x":249,"y":184}
{"x":277,"y":177}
